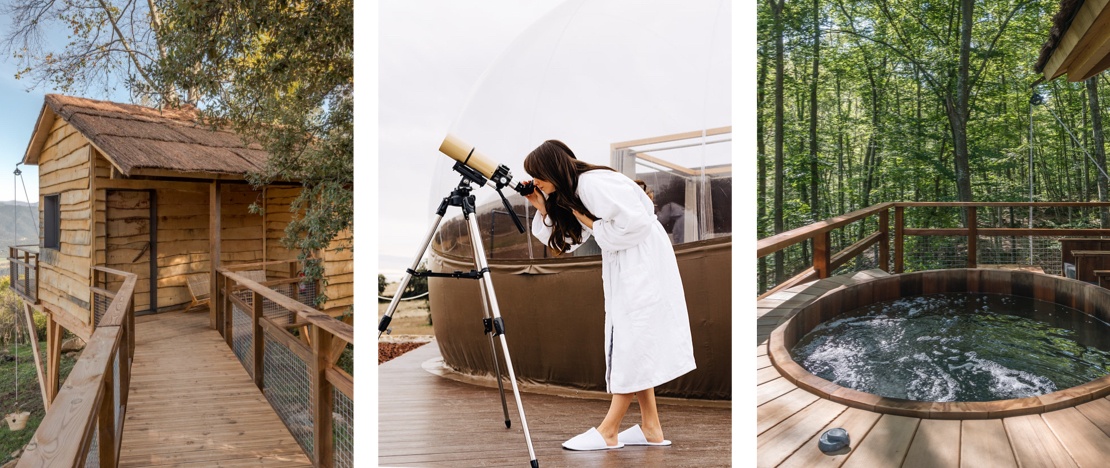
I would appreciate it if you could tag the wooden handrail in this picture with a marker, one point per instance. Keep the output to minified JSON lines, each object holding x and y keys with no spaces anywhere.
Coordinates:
{"x":825,"y":261}
{"x":337,"y":328}
{"x":770,"y":245}
{"x":326,"y":338}
{"x":85,"y":405}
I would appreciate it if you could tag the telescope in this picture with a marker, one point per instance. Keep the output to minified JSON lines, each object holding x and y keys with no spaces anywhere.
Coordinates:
{"x":469,"y":156}
{"x":476,"y":169}
{"x":482,"y":170}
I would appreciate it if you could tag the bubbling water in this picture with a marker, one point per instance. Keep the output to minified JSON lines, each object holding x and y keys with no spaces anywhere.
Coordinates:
{"x":958,"y":347}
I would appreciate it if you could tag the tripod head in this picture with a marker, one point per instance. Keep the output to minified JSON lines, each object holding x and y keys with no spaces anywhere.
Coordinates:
{"x":472,"y":176}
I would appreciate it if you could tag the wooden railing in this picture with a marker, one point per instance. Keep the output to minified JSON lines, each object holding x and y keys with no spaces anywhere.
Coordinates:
{"x":83,"y":424}
{"x":24,"y":271}
{"x":291,"y":351}
{"x":824,"y":261}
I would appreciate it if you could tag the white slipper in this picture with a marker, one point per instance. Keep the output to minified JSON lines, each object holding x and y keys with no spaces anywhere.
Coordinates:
{"x":635,"y":436}
{"x":589,"y":440}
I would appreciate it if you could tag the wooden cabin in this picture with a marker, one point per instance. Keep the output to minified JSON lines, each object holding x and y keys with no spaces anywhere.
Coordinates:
{"x":155,"y":193}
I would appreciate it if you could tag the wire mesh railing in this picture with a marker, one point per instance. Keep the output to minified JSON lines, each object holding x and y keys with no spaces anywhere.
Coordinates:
{"x":934,"y":235}
{"x":291,"y":350}
{"x":83,"y":425}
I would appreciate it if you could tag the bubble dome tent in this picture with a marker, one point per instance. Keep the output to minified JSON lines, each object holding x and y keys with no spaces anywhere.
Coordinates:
{"x":642,"y":87}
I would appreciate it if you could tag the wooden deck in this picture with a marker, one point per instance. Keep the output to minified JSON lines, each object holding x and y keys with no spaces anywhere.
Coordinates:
{"x":192,"y":404}
{"x":428,"y":420}
{"x":790,"y":420}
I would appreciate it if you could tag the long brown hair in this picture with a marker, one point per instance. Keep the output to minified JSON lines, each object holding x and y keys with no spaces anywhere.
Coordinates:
{"x":554,"y":162}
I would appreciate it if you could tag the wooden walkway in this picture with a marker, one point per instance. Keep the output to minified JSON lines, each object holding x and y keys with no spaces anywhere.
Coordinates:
{"x":790,"y":420}
{"x":193,"y":404}
{"x":428,"y":420}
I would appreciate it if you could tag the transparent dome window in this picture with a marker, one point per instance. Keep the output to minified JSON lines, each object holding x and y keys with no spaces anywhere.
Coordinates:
{"x":642,"y":87}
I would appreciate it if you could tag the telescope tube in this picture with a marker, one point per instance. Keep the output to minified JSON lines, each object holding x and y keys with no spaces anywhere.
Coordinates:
{"x":465,"y":153}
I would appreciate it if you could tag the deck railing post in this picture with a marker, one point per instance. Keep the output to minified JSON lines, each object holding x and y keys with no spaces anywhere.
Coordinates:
{"x":228,"y":308}
{"x":256,"y":323}
{"x":27,"y":277}
{"x":884,"y":240}
{"x":322,"y":398}
{"x":106,"y":421}
{"x":899,"y":248}
{"x":972,"y":237}
{"x":821,"y":254}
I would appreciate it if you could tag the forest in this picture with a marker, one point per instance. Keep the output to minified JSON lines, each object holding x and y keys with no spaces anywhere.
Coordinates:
{"x":871,"y":101}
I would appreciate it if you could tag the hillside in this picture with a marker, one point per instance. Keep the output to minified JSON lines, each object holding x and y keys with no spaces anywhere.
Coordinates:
{"x":17,"y":219}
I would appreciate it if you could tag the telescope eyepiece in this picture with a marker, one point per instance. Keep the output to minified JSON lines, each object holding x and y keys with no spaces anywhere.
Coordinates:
{"x":525,"y":188}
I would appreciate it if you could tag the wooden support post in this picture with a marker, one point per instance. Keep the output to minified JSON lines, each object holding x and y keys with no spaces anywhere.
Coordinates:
{"x":226,"y":308}
{"x":27,"y":273}
{"x":106,"y":421}
{"x":884,"y":240}
{"x":899,"y":249}
{"x":214,"y":215}
{"x":53,"y":356}
{"x":821,"y":254}
{"x":322,"y":398}
{"x":39,"y":371}
{"x":972,"y":237}
{"x":256,"y":322}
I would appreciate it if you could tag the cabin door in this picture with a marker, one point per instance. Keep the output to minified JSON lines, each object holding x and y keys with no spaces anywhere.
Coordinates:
{"x":132,"y":242}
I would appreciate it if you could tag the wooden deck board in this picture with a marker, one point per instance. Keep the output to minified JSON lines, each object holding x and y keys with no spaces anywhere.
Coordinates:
{"x":1078,"y":436}
{"x":197,"y":408}
{"x":984,"y":443}
{"x":1034,"y":443}
{"x":936,"y":444}
{"x":784,"y":439}
{"x":429,"y":420}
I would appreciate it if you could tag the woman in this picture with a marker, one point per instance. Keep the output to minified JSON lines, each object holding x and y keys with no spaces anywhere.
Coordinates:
{"x":647,"y":328}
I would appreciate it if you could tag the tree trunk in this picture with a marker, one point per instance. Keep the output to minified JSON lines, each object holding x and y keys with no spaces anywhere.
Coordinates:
{"x":813,"y":176}
{"x":780,"y":272}
{"x":761,"y":157}
{"x":1099,"y":140}
{"x":958,"y":110}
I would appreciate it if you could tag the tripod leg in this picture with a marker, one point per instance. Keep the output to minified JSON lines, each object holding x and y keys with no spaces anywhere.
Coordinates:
{"x":487,"y":285}
{"x":384,"y":324}
{"x":493,"y":348}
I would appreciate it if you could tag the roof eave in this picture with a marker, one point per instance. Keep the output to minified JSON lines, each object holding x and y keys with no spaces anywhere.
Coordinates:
{"x":38,"y":138}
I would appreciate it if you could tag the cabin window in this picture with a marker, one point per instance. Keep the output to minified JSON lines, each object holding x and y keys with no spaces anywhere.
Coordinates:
{"x":51,"y":222}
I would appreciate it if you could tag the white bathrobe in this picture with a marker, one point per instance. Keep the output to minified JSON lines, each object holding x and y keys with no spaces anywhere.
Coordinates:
{"x":647,"y":328}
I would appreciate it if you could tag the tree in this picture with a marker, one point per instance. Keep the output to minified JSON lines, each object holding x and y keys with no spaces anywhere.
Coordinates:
{"x":777,"y":7}
{"x":110,"y":43}
{"x":280,"y":74}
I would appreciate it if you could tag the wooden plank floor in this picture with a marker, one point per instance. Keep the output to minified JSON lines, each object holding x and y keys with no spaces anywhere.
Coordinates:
{"x":193,"y":404}
{"x":428,"y":420}
{"x":790,"y":420}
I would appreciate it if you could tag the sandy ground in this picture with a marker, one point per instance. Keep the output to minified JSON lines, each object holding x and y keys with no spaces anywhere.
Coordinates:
{"x":411,"y":326}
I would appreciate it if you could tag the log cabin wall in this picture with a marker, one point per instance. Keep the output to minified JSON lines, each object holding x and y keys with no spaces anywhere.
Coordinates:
{"x":339,"y":269}
{"x":240,"y":230}
{"x":278,"y":201}
{"x":64,"y":165}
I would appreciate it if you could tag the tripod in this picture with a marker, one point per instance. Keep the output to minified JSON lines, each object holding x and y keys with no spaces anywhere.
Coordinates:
{"x":494,"y":326}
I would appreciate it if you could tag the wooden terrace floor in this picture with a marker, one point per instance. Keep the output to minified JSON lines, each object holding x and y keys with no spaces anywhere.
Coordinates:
{"x":790,"y":420}
{"x":429,"y":420}
{"x":191,"y":402}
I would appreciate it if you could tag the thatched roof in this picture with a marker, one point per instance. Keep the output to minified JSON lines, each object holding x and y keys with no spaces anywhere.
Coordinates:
{"x":1060,"y":23}
{"x":138,"y":137}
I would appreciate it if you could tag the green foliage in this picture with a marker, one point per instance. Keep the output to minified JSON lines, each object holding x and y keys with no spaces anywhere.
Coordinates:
{"x":281,"y":74}
{"x":883,"y":87}
{"x":381,"y":284}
